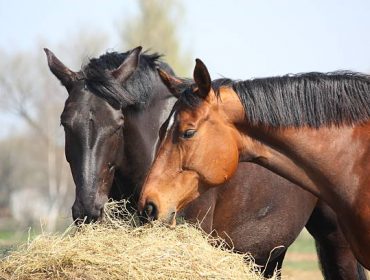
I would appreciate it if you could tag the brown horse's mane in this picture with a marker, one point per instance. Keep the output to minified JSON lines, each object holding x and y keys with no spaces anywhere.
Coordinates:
{"x":307,"y":99}
{"x":136,"y":91}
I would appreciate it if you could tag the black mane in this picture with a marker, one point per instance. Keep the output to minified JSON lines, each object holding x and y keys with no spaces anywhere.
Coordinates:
{"x":308,"y":99}
{"x":135,"y":91}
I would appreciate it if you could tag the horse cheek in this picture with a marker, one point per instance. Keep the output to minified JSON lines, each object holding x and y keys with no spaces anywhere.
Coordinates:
{"x":230,"y":163}
{"x":223,"y":166}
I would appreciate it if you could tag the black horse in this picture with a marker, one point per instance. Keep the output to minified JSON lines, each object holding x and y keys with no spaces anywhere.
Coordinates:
{"x":111,"y":118}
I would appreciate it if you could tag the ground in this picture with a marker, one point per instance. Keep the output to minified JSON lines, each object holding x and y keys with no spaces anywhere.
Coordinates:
{"x":301,"y":260}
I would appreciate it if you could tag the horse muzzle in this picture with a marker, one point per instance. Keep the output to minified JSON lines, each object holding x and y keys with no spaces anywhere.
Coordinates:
{"x":151,"y":212}
{"x":86,"y":214}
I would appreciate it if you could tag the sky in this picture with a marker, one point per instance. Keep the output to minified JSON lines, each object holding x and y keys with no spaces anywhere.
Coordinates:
{"x":235,"y":39}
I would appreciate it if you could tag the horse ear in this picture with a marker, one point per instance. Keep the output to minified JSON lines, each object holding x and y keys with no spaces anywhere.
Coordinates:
{"x":171,"y":82}
{"x":128,"y":66}
{"x":65,"y":75}
{"x":202,"y":78}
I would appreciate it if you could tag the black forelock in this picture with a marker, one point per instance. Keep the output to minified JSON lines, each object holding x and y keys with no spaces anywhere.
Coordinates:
{"x":308,"y":99}
{"x":135,"y":91}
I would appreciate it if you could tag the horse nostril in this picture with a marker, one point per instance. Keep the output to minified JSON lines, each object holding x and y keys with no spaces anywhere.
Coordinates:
{"x":78,"y":222}
{"x":151,"y":211}
{"x":86,"y":215}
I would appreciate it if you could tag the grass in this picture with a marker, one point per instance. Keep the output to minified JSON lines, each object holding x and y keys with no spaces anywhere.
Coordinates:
{"x":304,"y":244}
{"x":302,"y":265}
{"x":11,"y":239}
{"x":6,"y":234}
{"x":301,"y":260}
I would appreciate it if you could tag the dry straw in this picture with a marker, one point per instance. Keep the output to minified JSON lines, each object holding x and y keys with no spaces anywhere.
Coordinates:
{"x":115,"y":249}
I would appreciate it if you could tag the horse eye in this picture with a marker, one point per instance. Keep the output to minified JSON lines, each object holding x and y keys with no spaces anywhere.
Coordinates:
{"x":188,"y":133}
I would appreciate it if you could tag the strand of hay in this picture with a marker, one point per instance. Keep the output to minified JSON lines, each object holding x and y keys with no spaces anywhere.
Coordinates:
{"x":115,"y":249}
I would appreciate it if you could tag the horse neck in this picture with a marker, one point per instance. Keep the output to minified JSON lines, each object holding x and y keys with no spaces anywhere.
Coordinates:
{"x":309,"y":157}
{"x":330,"y":162}
{"x":322,"y":161}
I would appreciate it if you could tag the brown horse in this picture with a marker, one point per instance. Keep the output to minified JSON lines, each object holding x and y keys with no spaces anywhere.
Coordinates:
{"x":249,"y":210}
{"x":313,"y":129}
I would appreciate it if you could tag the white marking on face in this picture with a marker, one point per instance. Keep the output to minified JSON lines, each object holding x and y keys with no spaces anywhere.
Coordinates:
{"x":163,"y":117}
{"x":171,"y":122}
{"x":167,"y":110}
{"x":157,"y":142}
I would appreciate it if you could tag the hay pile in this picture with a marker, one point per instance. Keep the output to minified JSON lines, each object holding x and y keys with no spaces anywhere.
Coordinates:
{"x":115,"y":249}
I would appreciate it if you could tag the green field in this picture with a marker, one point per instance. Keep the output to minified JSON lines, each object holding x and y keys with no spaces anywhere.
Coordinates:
{"x":302,"y":254}
{"x":9,"y":240}
{"x":301,"y":260}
